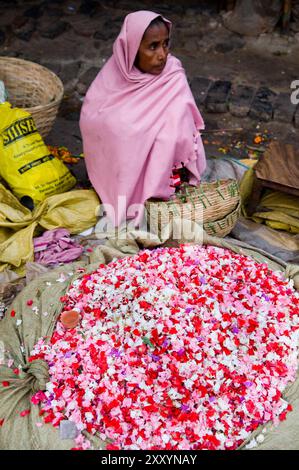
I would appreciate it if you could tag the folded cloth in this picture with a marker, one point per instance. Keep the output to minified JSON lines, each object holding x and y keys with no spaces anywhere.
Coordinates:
{"x":276,"y":209}
{"x":74,"y":210}
{"x":56,"y":246}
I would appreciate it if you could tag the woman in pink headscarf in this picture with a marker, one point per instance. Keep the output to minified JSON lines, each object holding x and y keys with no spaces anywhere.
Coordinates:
{"x":139,"y":121}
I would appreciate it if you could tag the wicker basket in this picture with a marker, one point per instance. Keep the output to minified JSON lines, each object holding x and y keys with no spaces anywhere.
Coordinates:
{"x":216,"y":205}
{"x":222,"y":227}
{"x":34,"y":88}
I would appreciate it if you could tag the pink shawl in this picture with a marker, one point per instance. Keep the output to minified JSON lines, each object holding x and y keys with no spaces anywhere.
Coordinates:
{"x":137,"y":127}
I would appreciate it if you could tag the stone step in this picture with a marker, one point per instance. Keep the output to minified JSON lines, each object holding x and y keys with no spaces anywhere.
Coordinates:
{"x":89,"y":7}
{"x":263,"y":104}
{"x":200,"y":87}
{"x":25,"y":30}
{"x":36,"y":11}
{"x":284,"y":110}
{"x":2,"y":37}
{"x":240,"y":100}
{"x":217,"y":99}
{"x":86,"y":80}
{"x":53,"y":29}
{"x":262,"y":107}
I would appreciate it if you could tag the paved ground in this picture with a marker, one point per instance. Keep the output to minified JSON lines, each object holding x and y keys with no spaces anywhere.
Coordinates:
{"x":246,"y":78}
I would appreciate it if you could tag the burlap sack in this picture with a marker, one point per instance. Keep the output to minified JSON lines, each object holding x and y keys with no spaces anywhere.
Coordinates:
{"x":20,"y":333}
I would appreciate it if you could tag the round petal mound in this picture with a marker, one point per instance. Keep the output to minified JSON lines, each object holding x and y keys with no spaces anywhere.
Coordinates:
{"x":176,"y":348}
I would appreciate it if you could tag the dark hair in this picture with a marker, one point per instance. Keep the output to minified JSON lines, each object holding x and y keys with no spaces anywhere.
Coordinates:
{"x":157,"y":21}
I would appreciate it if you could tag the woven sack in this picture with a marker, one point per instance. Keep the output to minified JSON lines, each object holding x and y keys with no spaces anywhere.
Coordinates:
{"x":215,"y":205}
{"x":32,"y":87}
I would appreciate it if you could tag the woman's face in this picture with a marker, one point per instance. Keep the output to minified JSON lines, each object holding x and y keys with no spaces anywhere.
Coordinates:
{"x":153,"y":49}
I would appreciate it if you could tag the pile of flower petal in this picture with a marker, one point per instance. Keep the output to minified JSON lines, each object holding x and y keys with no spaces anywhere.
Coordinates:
{"x":177,"y":348}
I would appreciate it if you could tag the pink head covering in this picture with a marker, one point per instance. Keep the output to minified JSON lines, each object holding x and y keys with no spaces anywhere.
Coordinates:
{"x":137,"y":126}
{"x":127,"y":44}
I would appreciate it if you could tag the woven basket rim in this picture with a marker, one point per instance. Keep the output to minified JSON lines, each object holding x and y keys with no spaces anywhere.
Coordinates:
{"x":212,"y":201}
{"x":236,"y":209}
{"x":18,"y":61}
{"x":216,"y":199}
{"x":206,"y":184}
{"x":213,"y":228}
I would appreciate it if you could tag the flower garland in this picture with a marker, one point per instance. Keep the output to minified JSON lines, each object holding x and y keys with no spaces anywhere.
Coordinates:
{"x":62,"y":153}
{"x":177,"y":348}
